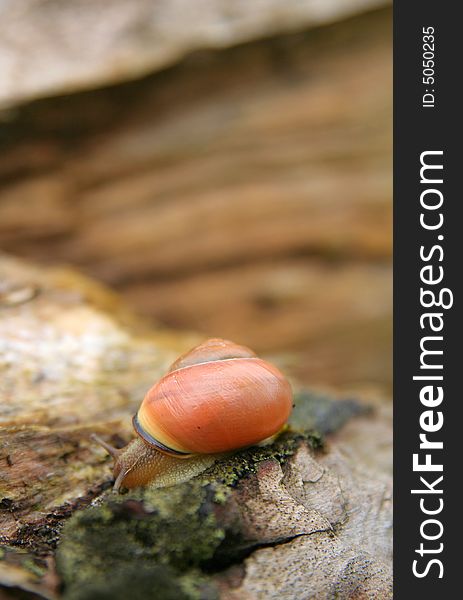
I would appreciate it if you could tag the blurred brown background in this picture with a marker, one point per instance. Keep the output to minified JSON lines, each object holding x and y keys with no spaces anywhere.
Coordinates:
{"x":234,"y":181}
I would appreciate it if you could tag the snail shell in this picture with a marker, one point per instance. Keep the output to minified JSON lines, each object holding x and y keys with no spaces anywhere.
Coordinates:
{"x":217,"y":398}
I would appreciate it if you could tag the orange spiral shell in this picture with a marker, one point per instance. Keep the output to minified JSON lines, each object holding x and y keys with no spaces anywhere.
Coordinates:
{"x":216,"y":398}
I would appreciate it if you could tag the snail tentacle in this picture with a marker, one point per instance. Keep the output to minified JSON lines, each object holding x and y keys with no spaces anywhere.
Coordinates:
{"x":215,"y":399}
{"x":112,"y":450}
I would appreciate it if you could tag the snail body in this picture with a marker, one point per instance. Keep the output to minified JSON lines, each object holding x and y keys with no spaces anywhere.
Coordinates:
{"x":215,"y":399}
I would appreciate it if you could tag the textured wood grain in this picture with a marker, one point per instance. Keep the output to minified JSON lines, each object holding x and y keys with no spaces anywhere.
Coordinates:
{"x":336,"y":527}
{"x":244,"y":193}
{"x":71,"y":366}
{"x":287,"y":520}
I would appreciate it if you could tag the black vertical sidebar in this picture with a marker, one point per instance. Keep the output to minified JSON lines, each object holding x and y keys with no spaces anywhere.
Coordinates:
{"x":431,"y":123}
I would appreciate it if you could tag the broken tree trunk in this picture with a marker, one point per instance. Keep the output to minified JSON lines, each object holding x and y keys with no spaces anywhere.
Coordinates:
{"x":306,"y":517}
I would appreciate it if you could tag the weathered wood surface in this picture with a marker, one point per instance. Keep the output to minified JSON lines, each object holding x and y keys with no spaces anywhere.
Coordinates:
{"x":244,"y":193}
{"x":68,"y":366}
{"x":291,"y":520}
{"x":56,"y":47}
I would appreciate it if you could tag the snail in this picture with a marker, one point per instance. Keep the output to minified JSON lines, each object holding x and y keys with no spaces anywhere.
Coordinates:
{"x":217,"y":398}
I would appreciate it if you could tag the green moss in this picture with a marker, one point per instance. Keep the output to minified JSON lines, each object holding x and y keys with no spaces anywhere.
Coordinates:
{"x":145,"y":582}
{"x":134,"y":581}
{"x":229,"y":471}
{"x":173,"y":528}
{"x":320,"y":412}
{"x":161,"y":543}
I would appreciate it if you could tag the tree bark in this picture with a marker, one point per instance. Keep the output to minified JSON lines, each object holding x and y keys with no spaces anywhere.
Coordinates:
{"x":300,"y":518}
